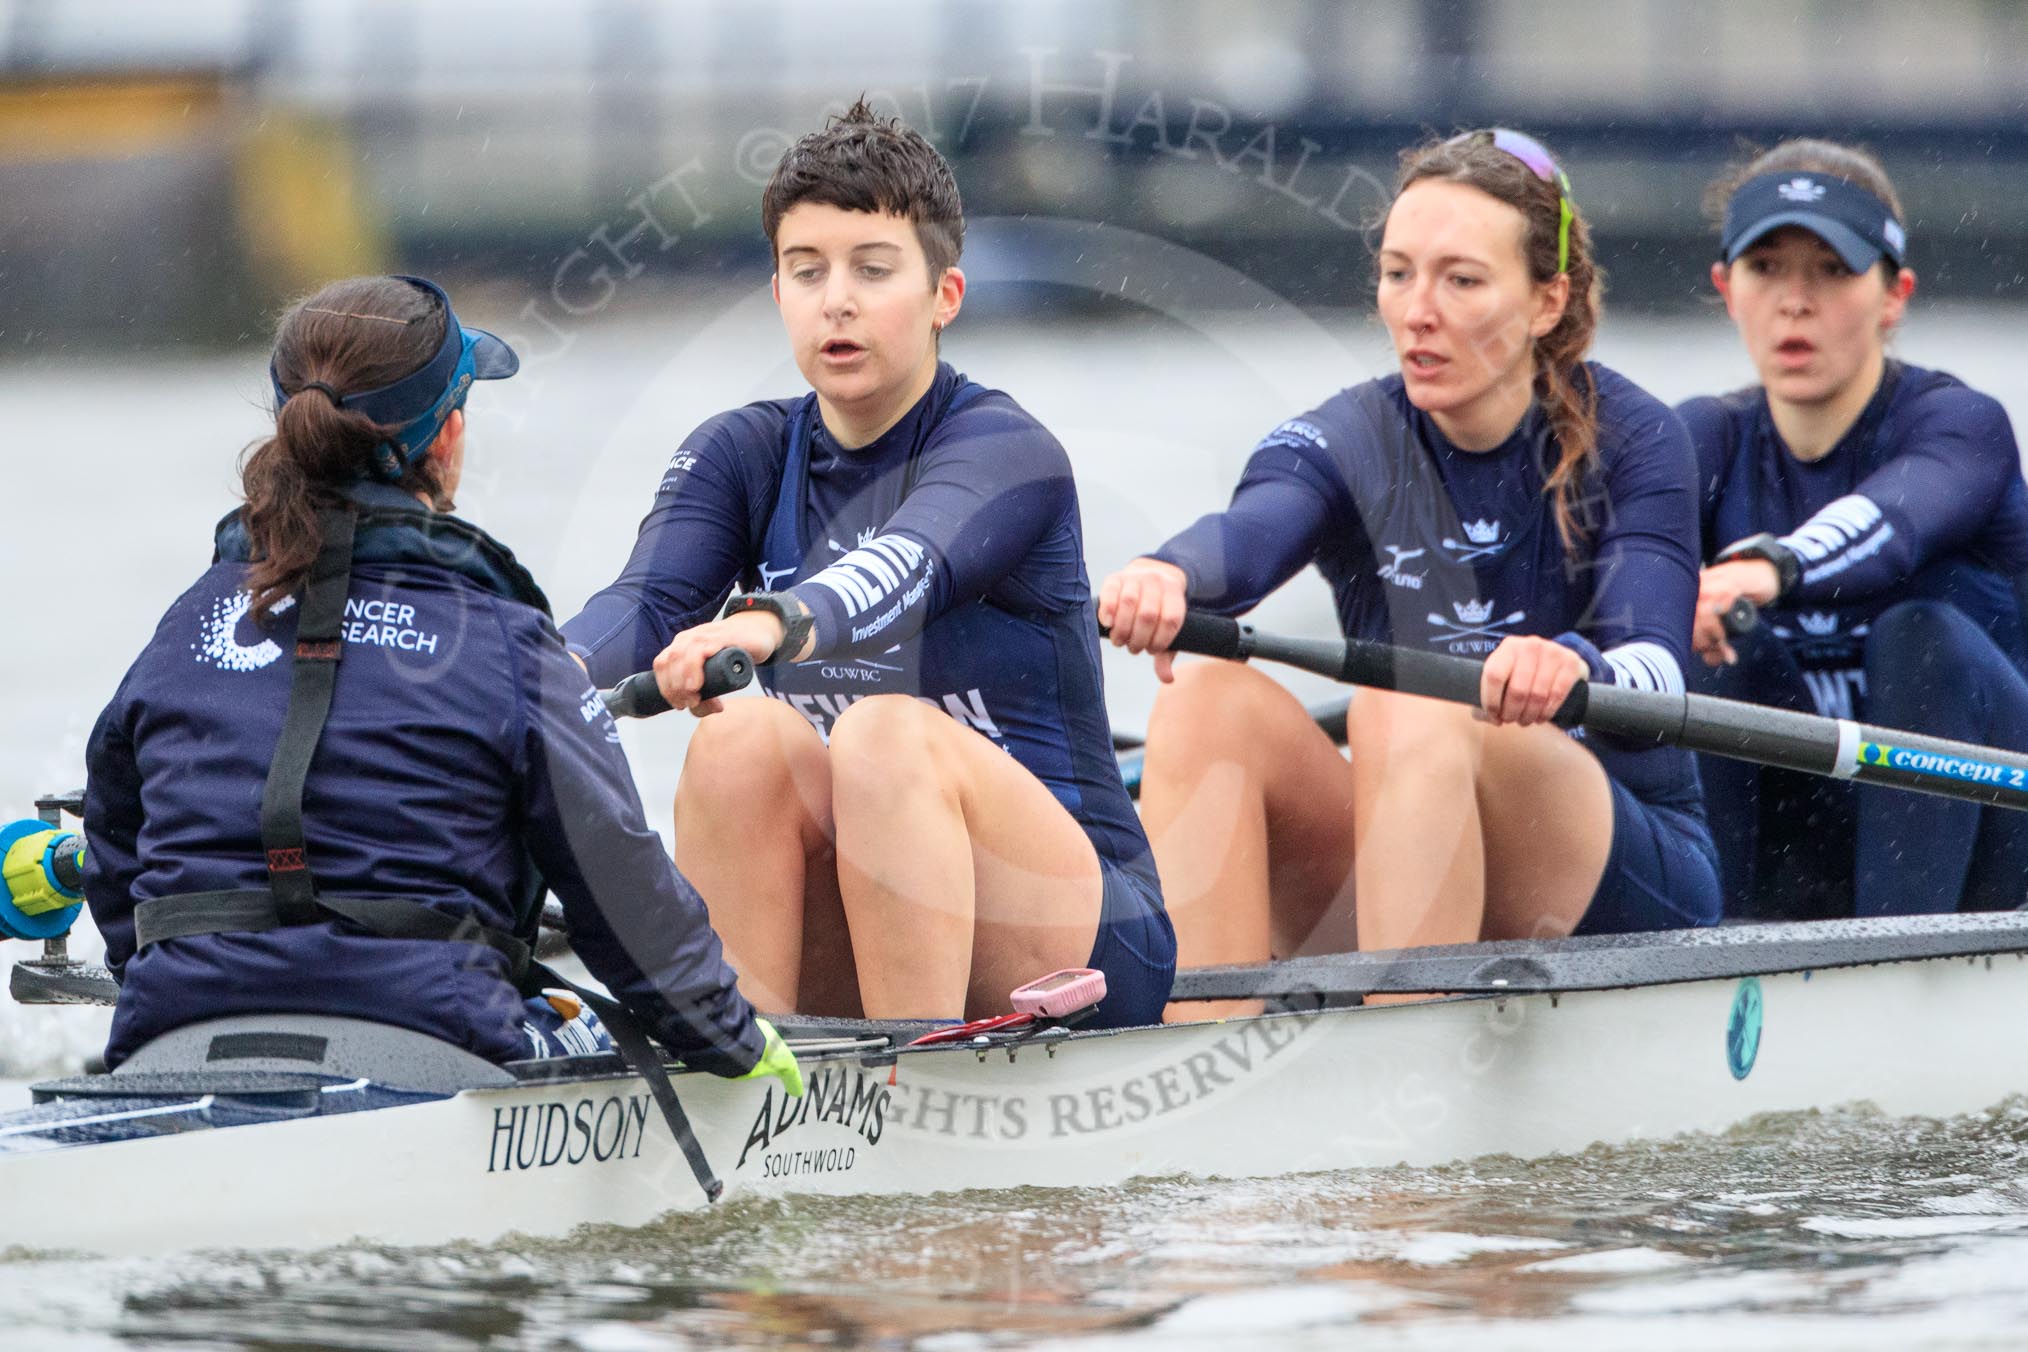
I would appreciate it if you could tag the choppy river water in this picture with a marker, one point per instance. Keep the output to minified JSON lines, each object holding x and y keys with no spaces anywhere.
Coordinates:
{"x":1846,"y":1228}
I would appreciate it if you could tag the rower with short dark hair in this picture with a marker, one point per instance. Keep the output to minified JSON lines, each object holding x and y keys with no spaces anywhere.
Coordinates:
{"x":1876,"y":511}
{"x":1499,"y":497}
{"x":339,"y":776}
{"x":927,"y":813}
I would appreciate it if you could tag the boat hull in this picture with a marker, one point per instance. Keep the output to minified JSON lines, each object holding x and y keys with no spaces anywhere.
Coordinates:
{"x":1524,"y":1075}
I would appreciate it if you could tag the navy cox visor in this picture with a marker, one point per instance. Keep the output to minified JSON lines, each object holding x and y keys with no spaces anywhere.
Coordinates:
{"x":417,"y":405}
{"x":1859,"y":227}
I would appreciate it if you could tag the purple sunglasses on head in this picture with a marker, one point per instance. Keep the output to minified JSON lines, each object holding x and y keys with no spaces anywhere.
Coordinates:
{"x":1536,"y":157}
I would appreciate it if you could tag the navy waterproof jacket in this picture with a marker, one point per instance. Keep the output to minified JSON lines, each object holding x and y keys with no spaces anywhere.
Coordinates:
{"x":466,"y":762}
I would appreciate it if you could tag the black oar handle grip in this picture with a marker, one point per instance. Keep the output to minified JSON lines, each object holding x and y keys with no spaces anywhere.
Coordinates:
{"x":1206,"y":635}
{"x":638,"y":696}
{"x":1213,"y":636}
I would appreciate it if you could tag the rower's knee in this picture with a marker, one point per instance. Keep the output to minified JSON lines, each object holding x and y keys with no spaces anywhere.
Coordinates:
{"x":1392,"y":734}
{"x":1215,"y":711}
{"x":1930,"y":668}
{"x":1919,"y":639}
{"x":886,"y":750}
{"x":750,"y":758}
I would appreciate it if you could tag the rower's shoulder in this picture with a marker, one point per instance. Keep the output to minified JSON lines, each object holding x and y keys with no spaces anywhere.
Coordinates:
{"x":1626,"y":407}
{"x":996,"y":419}
{"x":754,"y":429}
{"x":1348,"y":417}
{"x":1926,"y":396}
{"x":736,"y":454}
{"x":1631,"y":420}
{"x":1707,"y":415}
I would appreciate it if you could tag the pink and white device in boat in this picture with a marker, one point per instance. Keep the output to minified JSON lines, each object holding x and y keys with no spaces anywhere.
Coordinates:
{"x":1060,"y":994}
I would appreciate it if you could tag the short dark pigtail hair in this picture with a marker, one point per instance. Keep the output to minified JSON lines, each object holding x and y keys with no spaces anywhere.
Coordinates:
{"x":861,"y":161}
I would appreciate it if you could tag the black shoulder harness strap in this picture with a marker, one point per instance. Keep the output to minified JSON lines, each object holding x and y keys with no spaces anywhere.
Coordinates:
{"x":314,"y":676}
{"x":291,"y":896}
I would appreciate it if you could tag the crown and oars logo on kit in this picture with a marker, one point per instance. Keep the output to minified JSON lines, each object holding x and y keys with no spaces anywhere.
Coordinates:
{"x":1474,"y":620}
{"x":1473,"y":612}
{"x":1482,"y":537}
{"x":1818,"y":623}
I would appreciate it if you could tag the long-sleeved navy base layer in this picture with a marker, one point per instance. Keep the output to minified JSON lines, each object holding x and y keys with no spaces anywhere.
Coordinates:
{"x":1443,"y":549}
{"x":944,"y":561}
{"x":1918,"y":515}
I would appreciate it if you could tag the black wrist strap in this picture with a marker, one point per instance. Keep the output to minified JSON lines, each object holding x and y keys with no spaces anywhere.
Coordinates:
{"x":1788,"y":568}
{"x":795,"y":622}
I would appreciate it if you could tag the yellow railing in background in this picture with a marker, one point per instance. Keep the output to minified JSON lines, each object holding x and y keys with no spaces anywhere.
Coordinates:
{"x":104,"y":118}
{"x":303,"y":214}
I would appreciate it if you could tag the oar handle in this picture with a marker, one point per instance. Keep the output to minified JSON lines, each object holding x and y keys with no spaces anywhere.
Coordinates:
{"x":638,"y":696}
{"x":1740,"y":617}
{"x":1839,"y":747}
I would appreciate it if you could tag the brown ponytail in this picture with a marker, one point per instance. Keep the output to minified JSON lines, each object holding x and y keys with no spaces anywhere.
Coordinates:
{"x":352,"y":336}
{"x":1563,"y":384}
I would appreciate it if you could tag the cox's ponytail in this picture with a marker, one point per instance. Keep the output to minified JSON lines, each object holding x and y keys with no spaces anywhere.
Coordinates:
{"x":355,"y":335}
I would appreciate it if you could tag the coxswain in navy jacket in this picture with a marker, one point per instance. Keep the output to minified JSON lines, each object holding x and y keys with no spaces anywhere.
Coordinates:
{"x":467,"y":761}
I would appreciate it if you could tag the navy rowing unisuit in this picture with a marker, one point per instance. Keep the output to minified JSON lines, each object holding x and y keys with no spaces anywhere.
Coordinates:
{"x":1431,"y":546}
{"x":1912,"y":532}
{"x":944,"y":561}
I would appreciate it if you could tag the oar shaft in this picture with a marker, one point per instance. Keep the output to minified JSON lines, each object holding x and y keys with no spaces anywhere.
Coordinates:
{"x":1839,"y":748}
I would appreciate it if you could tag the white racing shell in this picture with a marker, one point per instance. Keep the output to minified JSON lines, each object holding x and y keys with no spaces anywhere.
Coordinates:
{"x":1525,"y":1075}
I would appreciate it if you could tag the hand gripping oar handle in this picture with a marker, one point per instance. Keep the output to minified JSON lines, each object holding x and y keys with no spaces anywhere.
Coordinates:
{"x":638,"y":696}
{"x":1839,"y":748}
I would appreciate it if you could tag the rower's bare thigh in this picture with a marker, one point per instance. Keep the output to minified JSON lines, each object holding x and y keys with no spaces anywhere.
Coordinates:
{"x":1037,"y":893}
{"x":1230,"y":740}
{"x":755,"y":755}
{"x":753,"y":833}
{"x":1546,"y":814}
{"x":1310,"y":844}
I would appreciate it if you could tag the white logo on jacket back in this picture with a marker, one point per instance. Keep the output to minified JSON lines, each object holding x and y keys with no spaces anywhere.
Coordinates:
{"x":218,"y":642}
{"x":368,"y":621}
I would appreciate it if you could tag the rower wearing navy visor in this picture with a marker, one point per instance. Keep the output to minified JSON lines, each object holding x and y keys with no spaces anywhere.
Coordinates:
{"x":1876,"y":511}
{"x":340,"y":774}
{"x":928,"y":813}
{"x":1499,"y":497}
